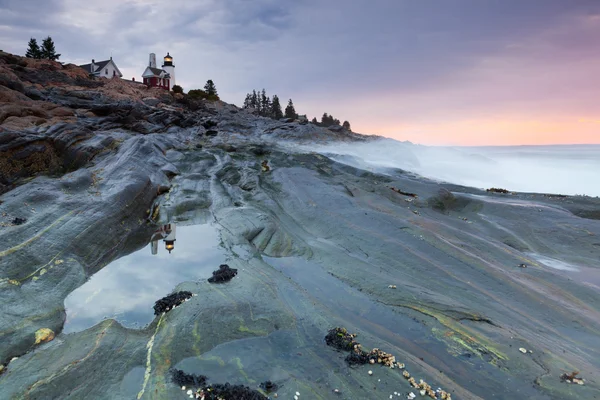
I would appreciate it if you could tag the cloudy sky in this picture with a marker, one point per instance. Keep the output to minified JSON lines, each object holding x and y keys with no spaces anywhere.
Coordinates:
{"x":466,"y":72}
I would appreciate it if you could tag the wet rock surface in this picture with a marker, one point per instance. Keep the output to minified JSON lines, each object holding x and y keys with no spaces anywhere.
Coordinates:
{"x":93,"y":170}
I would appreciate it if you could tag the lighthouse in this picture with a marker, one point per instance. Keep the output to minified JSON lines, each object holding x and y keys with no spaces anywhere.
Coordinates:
{"x":169,"y":68}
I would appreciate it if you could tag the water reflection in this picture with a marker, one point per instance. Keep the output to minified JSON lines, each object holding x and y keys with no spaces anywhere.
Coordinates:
{"x":127,"y":288}
{"x":167,"y":234}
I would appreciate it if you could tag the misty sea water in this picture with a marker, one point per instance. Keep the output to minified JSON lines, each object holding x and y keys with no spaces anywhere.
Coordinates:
{"x":559,"y":169}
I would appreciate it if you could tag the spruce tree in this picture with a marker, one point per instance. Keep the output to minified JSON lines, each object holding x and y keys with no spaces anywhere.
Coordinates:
{"x":276,"y":108}
{"x":290,"y":111}
{"x":254,"y":100}
{"x":265,"y":104}
{"x":33,"y":51}
{"x":48,"y":51}
{"x":314,"y":121}
{"x":325,"y":119}
{"x":248,"y":101}
{"x":210,"y":88}
{"x":346,"y":126}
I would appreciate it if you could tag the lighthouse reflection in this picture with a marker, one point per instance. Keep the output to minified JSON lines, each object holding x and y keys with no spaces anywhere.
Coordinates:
{"x":166,"y":233}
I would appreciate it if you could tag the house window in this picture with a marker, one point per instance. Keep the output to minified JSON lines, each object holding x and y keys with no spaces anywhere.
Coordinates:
{"x":114,"y":73}
{"x":106,"y":71}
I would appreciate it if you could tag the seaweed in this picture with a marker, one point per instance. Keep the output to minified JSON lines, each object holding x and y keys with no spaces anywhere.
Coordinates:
{"x":403,"y":193}
{"x":171,"y":301}
{"x":217,"y":391}
{"x":269,"y":386}
{"x":18,"y":221}
{"x":357,"y":358}
{"x":572,"y":378}
{"x":497,"y":190}
{"x":192,"y":380}
{"x":341,"y":339}
{"x":226,"y":391}
{"x":223,"y":274}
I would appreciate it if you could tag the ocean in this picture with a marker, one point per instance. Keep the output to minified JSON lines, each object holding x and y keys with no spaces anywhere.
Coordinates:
{"x":559,"y":169}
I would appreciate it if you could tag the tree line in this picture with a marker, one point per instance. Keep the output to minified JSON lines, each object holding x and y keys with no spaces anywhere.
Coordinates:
{"x":46,"y":52}
{"x":329,"y":120}
{"x":269,"y":107}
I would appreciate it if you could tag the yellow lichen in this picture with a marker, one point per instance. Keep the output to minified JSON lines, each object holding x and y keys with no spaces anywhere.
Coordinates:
{"x":43,"y":335}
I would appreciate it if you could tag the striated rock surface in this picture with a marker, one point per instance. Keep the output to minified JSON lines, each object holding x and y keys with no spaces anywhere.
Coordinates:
{"x":90,"y":168}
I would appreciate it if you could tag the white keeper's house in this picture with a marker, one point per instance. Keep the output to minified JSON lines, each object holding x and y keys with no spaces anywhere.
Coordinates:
{"x":105,"y":69}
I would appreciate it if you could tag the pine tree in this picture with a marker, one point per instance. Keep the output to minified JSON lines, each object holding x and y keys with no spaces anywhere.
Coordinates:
{"x":210,"y":88}
{"x":276,"y":108}
{"x":48,"y":51}
{"x":325,"y":119}
{"x":248,"y":101}
{"x":254,"y":100}
{"x":265,"y":104}
{"x":346,"y":126}
{"x":290,"y":111}
{"x":314,"y":121}
{"x":33,"y":51}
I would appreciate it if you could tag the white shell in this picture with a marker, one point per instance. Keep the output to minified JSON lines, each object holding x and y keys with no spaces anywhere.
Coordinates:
{"x":523,"y":350}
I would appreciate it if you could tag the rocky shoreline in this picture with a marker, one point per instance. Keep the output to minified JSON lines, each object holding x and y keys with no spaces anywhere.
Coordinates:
{"x":430,"y":272}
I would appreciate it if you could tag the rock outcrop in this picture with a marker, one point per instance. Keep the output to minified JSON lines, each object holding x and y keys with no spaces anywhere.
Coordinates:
{"x":90,"y":167}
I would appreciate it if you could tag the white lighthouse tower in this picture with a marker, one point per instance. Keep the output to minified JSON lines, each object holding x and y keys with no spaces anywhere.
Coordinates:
{"x":170,"y":68}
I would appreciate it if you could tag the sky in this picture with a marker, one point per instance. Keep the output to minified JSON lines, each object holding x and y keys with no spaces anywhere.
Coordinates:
{"x":437,"y":72}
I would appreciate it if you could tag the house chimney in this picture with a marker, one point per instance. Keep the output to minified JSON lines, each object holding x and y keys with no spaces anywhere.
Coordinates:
{"x":133,"y":79}
{"x":152,"y":60}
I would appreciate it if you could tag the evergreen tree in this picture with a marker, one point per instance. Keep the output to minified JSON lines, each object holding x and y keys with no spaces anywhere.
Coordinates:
{"x":48,"y":51}
{"x":177,"y":89}
{"x":346,"y":126}
{"x":290,"y":111}
{"x":336,"y":122}
{"x":276,"y":108}
{"x":254,"y":100}
{"x":248,"y":101}
{"x":210,"y":88}
{"x":33,"y":51}
{"x":265,"y":104}
{"x":314,"y":121}
{"x":325,"y":119}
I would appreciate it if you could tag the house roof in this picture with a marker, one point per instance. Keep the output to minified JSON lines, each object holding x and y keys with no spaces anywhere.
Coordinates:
{"x":99,"y":65}
{"x":156,"y":72}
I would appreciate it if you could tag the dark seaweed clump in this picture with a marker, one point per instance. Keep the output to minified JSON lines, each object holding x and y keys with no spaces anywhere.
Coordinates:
{"x":269,"y":386}
{"x":403,"y":192}
{"x":340,"y":339}
{"x":191,"y":380}
{"x":167,"y":303}
{"x":18,"y":221}
{"x":358,"y":357}
{"x":217,"y":391}
{"x":227,"y":391}
{"x":497,"y":190}
{"x":223,"y":274}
